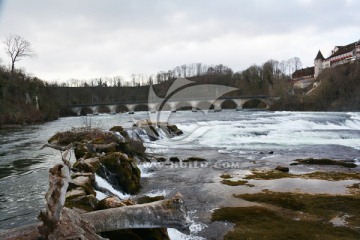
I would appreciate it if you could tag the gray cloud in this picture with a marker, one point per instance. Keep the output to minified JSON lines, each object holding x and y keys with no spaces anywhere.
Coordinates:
{"x":84,"y":39}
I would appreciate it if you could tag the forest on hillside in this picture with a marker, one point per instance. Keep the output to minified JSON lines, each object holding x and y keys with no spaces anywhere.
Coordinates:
{"x":26,"y":99}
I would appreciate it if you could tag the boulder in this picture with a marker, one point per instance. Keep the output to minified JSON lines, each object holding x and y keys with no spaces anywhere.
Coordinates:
{"x":174,"y":159}
{"x":85,"y":182}
{"x":120,"y":130}
{"x":81,"y":151}
{"x":125,"y":170}
{"x":88,"y":165}
{"x":194,"y":159}
{"x":74,"y":193}
{"x":110,"y":202}
{"x":161,"y":159}
{"x":174,"y":130}
{"x":87,"y":203}
{"x":282,"y":169}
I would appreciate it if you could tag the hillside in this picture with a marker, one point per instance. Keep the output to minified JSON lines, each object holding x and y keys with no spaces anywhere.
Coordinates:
{"x":18,"y":99}
{"x":339,"y":90}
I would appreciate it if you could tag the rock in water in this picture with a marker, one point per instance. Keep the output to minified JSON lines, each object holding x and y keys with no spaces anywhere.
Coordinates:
{"x":282,"y":169}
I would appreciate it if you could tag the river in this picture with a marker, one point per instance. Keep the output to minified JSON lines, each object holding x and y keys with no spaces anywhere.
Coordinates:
{"x":230,"y":141}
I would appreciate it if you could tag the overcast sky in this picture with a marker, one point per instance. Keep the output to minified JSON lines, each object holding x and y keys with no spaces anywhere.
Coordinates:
{"x":84,"y":39}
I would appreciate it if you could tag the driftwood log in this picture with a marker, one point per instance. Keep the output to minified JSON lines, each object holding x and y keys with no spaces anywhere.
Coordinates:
{"x":64,"y":223}
{"x":169,"y":213}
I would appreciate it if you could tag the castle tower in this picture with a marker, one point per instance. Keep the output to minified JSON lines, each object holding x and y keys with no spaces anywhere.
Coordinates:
{"x":318,"y":64}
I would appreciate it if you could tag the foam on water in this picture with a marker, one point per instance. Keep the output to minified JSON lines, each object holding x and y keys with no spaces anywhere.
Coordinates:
{"x":100,"y":195}
{"x":155,"y":193}
{"x":176,"y":235}
{"x":101,"y":182}
{"x":257,"y":131}
{"x":145,"y":170}
{"x":194,"y":229}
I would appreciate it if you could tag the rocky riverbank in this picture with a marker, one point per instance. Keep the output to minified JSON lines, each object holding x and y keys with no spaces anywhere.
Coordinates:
{"x":105,"y":175}
{"x":111,"y":156}
{"x":272,"y":214}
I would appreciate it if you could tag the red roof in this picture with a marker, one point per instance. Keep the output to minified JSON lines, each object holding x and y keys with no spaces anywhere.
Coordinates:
{"x":344,"y":49}
{"x":304,"y":72}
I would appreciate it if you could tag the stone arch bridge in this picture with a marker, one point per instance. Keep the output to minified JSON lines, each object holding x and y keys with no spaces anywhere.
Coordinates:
{"x":175,"y":104}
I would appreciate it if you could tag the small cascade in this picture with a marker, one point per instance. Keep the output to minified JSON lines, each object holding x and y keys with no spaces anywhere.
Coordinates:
{"x":105,"y":187}
{"x":107,"y":183}
{"x":163,"y":131}
{"x":139,"y":134}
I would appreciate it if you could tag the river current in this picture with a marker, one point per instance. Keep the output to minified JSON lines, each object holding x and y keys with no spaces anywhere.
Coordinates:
{"x":228,"y":139}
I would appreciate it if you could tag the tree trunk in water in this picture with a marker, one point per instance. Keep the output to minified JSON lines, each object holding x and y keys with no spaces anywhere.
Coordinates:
{"x":170,"y":213}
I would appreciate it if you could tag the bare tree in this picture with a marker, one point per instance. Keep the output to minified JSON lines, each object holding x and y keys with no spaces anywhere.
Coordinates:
{"x":297,"y":63}
{"x":17,"y":47}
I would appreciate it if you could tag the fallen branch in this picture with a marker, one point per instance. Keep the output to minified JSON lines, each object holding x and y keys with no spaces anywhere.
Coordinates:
{"x":55,"y":198}
{"x":170,"y":213}
{"x":58,"y":147}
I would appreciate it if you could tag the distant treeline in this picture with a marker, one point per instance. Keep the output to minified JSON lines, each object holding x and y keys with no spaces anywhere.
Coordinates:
{"x":286,"y":67}
{"x":339,"y":89}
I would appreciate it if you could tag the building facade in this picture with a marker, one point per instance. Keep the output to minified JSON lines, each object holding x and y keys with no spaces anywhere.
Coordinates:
{"x":339,"y":55}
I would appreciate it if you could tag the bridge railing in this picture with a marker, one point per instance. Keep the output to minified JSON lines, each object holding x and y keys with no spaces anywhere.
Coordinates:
{"x":146,"y":102}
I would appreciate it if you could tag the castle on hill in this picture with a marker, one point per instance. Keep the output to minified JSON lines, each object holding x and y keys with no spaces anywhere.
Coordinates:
{"x":339,"y":55}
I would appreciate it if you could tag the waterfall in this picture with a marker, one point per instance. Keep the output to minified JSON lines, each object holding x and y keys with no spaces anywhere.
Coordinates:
{"x":105,"y":186}
{"x":106,"y":183}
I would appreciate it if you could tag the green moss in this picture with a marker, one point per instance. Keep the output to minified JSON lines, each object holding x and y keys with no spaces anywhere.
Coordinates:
{"x":112,"y":159}
{"x":87,"y":203}
{"x":134,"y":147}
{"x":117,"y":129}
{"x":355,"y":188}
{"x":225,"y":176}
{"x":267,"y":175}
{"x":261,"y":223}
{"x":126,"y":171}
{"x":236,"y":183}
{"x":323,"y":205}
{"x":65,"y":138}
{"x":109,"y":202}
{"x":325,"y":161}
{"x":330,"y":176}
{"x":81,"y":151}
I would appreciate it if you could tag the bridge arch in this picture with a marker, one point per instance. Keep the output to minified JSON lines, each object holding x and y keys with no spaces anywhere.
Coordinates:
{"x":256,"y":103}
{"x":112,"y":109}
{"x":205,"y":105}
{"x":229,"y":104}
{"x":90,"y":110}
{"x":104,"y":109}
{"x":181,"y":105}
{"x":141,"y":107}
{"x":121,"y":108}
